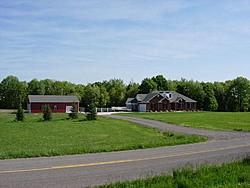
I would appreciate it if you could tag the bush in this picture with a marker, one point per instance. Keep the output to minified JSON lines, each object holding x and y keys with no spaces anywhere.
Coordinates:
{"x":73,"y":112}
{"x":47,"y":114}
{"x":20,"y":113}
{"x":92,"y":115}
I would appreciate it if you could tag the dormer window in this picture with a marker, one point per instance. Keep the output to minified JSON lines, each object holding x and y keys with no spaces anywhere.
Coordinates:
{"x":170,"y":95}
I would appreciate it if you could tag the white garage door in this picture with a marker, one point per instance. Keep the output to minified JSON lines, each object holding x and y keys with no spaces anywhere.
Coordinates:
{"x":142,"y":108}
{"x":68,"y":109}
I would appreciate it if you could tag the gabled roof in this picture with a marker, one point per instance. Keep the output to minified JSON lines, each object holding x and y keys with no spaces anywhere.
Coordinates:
{"x":52,"y":98}
{"x":149,"y":96}
{"x":178,"y":96}
{"x":140,"y":97}
{"x":145,"y":98}
{"x":131,"y":100}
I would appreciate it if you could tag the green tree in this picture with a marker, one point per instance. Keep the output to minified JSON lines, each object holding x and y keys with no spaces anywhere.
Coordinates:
{"x":117,"y":92}
{"x":47,"y":114}
{"x":91,"y":94}
{"x":57,"y":88}
{"x":48,"y":86}
{"x":162,"y":83}
{"x":36,"y":87}
{"x":73,"y":112}
{"x":103,"y":97}
{"x":12,"y":92}
{"x":20,"y":113}
{"x":193,"y":90}
{"x":220,"y":89}
{"x":147,"y":85}
{"x":92,"y":114}
{"x":238,"y":95}
{"x":210,"y":102}
{"x":79,"y":92}
{"x":132,"y":89}
{"x":172,"y":85}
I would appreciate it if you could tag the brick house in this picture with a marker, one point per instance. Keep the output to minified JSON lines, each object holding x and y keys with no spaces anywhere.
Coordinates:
{"x":160,"y":101}
{"x":57,"y":103}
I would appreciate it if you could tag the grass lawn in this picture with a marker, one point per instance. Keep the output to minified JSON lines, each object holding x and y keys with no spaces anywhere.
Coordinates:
{"x":233,"y":121}
{"x":62,"y":136}
{"x":228,"y":175}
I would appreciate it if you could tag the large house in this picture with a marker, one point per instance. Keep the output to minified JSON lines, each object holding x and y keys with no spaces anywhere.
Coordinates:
{"x":57,"y":103}
{"x":160,"y":101}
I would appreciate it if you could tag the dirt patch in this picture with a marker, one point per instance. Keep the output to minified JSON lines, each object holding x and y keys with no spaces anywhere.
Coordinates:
{"x":6,"y":110}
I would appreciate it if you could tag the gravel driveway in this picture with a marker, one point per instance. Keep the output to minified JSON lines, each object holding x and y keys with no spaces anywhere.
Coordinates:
{"x":210,"y":134}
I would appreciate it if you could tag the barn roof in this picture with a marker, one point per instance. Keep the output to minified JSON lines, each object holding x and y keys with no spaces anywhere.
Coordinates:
{"x":52,"y":98}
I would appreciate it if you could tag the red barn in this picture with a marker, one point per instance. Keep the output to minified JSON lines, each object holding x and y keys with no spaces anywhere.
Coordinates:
{"x":57,"y":103}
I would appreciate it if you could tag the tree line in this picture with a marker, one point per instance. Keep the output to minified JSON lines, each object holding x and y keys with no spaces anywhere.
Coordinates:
{"x":231,"y":95}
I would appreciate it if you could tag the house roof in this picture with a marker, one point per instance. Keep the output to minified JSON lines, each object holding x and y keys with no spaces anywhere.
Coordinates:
{"x":178,"y":96}
{"x":52,"y":98}
{"x":141,"y":96}
{"x":175,"y":97}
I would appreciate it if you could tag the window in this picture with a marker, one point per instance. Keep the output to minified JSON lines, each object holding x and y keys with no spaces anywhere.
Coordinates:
{"x":55,"y":107}
{"x":170,"y":96}
{"x":152,"y":106}
{"x":190,"y":105}
{"x":42,"y":107}
{"x":181,"y":105}
{"x":165,"y":105}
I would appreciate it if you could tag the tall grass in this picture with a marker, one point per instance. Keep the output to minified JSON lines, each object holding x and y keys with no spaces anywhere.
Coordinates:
{"x":63,"y":136}
{"x":232,"y":121}
{"x":228,"y":175}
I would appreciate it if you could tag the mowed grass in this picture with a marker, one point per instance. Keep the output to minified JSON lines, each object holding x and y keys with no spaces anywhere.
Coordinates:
{"x":231,"y":121}
{"x":228,"y":175}
{"x":62,"y":136}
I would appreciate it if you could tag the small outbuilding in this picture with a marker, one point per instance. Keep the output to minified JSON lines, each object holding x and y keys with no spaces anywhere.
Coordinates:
{"x":57,"y":103}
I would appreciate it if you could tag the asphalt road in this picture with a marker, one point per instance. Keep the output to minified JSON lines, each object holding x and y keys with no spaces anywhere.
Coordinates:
{"x":96,"y":169}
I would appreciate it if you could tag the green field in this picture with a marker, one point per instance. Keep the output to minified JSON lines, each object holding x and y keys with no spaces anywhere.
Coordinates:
{"x":233,"y":121}
{"x":62,"y":136}
{"x":228,"y":175}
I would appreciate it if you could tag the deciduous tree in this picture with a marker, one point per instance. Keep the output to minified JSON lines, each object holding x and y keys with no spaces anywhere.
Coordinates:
{"x":12,"y":92}
{"x":239,"y":95}
{"x":147,"y":85}
{"x":162,"y":83}
{"x":210,"y":102}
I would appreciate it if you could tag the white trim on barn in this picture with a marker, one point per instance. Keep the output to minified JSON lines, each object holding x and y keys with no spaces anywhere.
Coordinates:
{"x":28,"y":108}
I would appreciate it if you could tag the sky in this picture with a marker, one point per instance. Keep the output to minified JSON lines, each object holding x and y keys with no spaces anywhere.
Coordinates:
{"x":95,"y":40}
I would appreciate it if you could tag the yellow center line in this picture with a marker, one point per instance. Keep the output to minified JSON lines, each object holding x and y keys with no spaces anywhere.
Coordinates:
{"x":122,"y":161}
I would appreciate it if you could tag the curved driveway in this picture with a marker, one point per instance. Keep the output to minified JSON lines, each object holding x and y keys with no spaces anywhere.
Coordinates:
{"x":96,"y":169}
{"x":210,"y":134}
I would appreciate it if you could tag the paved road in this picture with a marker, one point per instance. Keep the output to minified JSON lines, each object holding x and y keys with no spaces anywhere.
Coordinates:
{"x":96,"y":169}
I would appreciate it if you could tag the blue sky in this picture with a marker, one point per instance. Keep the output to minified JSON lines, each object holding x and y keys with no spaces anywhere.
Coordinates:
{"x":95,"y":40}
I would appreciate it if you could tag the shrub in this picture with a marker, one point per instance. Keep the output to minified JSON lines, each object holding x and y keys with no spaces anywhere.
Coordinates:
{"x":47,"y":114}
{"x":92,"y":115}
{"x":73,"y":112}
{"x":20,"y":113}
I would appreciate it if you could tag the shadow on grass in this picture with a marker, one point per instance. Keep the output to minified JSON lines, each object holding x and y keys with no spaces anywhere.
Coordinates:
{"x":246,"y":161}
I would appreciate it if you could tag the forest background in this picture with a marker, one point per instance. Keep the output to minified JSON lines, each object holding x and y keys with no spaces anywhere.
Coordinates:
{"x":231,"y":95}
